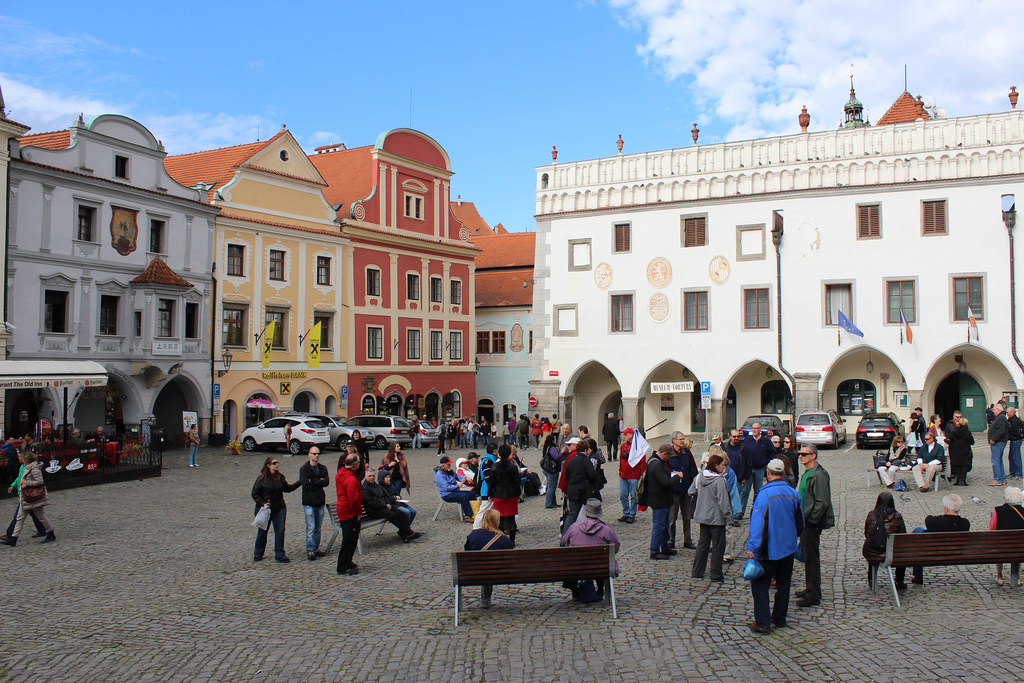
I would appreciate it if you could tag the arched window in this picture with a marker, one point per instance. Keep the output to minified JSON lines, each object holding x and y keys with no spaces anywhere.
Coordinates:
{"x":855,"y":397}
{"x":776,"y":398}
{"x":451,"y":405}
{"x":544,"y":182}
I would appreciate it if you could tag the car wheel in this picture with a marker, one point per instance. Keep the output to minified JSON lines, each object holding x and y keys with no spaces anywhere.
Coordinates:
{"x":381,"y":443}
{"x":295,"y":447}
{"x":249,"y":444}
{"x":343,"y":441}
{"x":835,"y":441}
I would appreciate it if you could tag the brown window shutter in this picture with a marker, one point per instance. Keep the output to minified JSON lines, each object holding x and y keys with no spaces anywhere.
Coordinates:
{"x":622,"y":237}
{"x":867,"y":221}
{"x":935,"y":218}
{"x":695,"y":232}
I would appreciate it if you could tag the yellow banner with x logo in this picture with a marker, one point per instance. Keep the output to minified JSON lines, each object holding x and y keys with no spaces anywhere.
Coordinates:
{"x":268,"y":342}
{"x":314,"y":346}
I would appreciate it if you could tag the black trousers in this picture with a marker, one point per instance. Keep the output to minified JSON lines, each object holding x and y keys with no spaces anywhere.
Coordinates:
{"x":349,"y":540}
{"x":396,"y":517}
{"x":810,"y":539}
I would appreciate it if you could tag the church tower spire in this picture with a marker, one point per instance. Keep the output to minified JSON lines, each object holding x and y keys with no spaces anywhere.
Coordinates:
{"x":854,"y":109}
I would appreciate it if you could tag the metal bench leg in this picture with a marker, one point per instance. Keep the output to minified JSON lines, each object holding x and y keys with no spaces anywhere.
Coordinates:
{"x":458,"y":602}
{"x":359,"y":542}
{"x":873,"y":574}
{"x":380,"y":530}
{"x":330,"y":543}
{"x":438,"y":511}
{"x":611,"y":594}
{"x":1014,"y":574}
{"x":892,"y":582}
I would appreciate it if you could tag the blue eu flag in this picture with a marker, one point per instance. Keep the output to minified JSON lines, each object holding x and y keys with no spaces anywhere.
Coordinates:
{"x":845,"y":323}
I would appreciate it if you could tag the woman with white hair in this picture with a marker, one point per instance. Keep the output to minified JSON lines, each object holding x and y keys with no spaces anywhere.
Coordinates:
{"x":1009,"y":515}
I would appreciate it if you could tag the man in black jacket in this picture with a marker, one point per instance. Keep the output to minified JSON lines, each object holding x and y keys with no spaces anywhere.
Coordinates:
{"x":381,"y":503}
{"x":998,"y":435}
{"x":610,"y":432}
{"x":1015,"y":429}
{"x":580,"y":483}
{"x":659,"y":499}
{"x":314,"y":478}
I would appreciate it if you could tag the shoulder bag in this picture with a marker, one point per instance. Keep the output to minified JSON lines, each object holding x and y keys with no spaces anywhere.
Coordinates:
{"x":31,"y":494}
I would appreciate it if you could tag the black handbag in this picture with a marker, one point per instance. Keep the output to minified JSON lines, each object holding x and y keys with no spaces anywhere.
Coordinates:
{"x":881,"y":459}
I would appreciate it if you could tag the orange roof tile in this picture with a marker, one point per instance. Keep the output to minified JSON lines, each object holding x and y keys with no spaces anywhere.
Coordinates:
{"x":58,"y":139}
{"x":467,"y":214}
{"x":159,"y":273}
{"x":216,"y":166}
{"x":904,"y":110}
{"x":499,"y":229}
{"x":504,"y":288}
{"x":349,"y":175}
{"x":504,"y":251}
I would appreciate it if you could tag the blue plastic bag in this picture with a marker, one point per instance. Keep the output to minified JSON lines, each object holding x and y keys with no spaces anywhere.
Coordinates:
{"x":752,"y":570}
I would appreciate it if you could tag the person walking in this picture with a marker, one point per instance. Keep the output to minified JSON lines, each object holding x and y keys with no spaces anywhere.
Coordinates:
{"x":998,"y":435}
{"x":659,"y":499}
{"x":350,"y":508}
{"x":536,"y":429}
{"x":712,"y":512}
{"x":740,"y":465}
{"x":610,"y":432}
{"x":1015,"y":433}
{"x":961,"y":455}
{"x":32,"y":498}
{"x":776,"y":522}
{"x":629,"y":477}
{"x":680,"y":461}
{"x":816,"y":492}
{"x":314,"y":478}
{"x":268,"y":491}
{"x":192,"y":441}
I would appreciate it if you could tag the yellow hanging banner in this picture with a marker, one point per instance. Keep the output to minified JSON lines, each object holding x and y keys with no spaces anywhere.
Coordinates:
{"x":314,"y":346}
{"x":268,"y":342}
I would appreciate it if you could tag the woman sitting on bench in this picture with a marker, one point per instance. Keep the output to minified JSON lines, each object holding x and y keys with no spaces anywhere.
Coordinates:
{"x":875,"y":540}
{"x":896,"y":460}
{"x":488,"y":538}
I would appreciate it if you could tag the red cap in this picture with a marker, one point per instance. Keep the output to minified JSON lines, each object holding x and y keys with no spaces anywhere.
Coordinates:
{"x":627,"y":430}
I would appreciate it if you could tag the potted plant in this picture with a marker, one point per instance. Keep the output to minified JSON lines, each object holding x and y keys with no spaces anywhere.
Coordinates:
{"x":233,"y":447}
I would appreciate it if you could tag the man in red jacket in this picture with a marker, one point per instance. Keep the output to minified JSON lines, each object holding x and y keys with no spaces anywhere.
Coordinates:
{"x":350,"y":509}
{"x":629,"y":478}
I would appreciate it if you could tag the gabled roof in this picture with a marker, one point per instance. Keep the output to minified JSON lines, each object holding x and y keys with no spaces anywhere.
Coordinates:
{"x":58,"y":139}
{"x":504,"y":287}
{"x":216,"y":166}
{"x":159,"y":273}
{"x":467,"y":214}
{"x":904,"y":110}
{"x":505,"y":251}
{"x":349,"y":175}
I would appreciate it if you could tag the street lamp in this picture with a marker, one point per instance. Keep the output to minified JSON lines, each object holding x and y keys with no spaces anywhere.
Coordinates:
{"x":1009,"y":209}
{"x":477,"y":364}
{"x":226,"y":359}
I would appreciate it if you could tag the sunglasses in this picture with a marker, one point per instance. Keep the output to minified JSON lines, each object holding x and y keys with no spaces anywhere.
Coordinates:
{"x":274,"y":463}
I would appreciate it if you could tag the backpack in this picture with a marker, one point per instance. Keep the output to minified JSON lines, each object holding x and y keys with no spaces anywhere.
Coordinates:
{"x":878,"y":536}
{"x":641,"y":488}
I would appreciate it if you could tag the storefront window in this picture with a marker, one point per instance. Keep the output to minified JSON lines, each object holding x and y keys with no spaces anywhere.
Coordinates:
{"x":855,"y":397}
{"x":776,"y":398}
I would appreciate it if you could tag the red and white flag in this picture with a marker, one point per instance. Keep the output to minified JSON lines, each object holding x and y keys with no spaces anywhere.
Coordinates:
{"x":637,"y":449}
{"x":972,"y":325}
{"x":906,"y":328}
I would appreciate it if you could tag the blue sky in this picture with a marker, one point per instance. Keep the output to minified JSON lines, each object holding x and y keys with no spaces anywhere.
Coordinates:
{"x":497,"y":84}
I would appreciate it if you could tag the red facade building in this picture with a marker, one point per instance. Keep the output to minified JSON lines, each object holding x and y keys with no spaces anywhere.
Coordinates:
{"x":410,"y":275}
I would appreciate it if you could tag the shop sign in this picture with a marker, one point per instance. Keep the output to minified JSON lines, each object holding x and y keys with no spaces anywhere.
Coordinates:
{"x":671,"y":387}
{"x":166,"y":348}
{"x":277,"y":374}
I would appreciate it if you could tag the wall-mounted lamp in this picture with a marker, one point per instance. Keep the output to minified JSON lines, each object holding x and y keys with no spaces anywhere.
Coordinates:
{"x":226,"y":360}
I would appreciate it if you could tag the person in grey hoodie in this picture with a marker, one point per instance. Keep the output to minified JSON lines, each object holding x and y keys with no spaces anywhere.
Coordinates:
{"x":590,"y":530}
{"x":713,"y":512}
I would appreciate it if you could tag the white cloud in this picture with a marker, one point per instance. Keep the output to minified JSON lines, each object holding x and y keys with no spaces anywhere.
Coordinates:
{"x":46,"y":110}
{"x":751,"y":65}
{"x":322,"y":137}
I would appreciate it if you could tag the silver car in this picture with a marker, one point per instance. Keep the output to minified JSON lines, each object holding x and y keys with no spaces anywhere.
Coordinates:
{"x":821,"y":428}
{"x":380,"y":430}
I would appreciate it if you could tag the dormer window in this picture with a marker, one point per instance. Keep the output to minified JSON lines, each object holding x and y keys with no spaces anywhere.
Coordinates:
{"x":120,"y":166}
{"x":413,"y":206}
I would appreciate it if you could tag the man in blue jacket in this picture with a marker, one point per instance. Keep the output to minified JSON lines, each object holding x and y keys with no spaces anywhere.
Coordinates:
{"x":776,"y":521}
{"x":483,"y":477}
{"x":757,"y":451}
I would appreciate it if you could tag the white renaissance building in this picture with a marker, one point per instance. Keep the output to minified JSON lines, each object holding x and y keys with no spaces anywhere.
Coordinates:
{"x":728,"y":265}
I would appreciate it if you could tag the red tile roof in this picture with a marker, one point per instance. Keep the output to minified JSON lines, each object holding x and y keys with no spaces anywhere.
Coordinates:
{"x":504,"y":288}
{"x":467,"y":214}
{"x":349,"y":175}
{"x":903,"y":110}
{"x":159,"y":273}
{"x":499,"y":229}
{"x":504,"y":251}
{"x":216,"y":166}
{"x":58,"y":139}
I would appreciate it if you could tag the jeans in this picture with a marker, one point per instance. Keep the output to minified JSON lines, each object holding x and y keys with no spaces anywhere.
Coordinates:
{"x":659,"y":530}
{"x":919,"y":571}
{"x":711,"y":540}
{"x":809,"y":541}
{"x":680,"y":508}
{"x":462,"y":498}
{"x":551,"y":481}
{"x":998,"y":472}
{"x":627,"y":496}
{"x":1015,"y":463}
{"x":409,"y":510}
{"x":277,"y":521}
{"x":35,"y":520}
{"x":755,"y":481}
{"x":782,"y":572}
{"x":193,"y":458}
{"x":397,"y":517}
{"x":417,"y":439}
{"x":349,"y":541}
{"x":314,"y":520}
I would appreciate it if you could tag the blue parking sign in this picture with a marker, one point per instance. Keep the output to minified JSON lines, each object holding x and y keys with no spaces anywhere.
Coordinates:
{"x":705,"y":388}
{"x":344,"y":392}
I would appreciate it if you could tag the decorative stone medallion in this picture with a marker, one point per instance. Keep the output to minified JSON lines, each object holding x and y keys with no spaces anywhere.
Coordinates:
{"x":658,"y":308}
{"x":659,"y":271}
{"x":603,"y":275}
{"x":718,"y":269}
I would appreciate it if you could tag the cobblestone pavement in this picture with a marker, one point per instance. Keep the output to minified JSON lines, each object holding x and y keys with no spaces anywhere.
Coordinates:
{"x":154,"y":580}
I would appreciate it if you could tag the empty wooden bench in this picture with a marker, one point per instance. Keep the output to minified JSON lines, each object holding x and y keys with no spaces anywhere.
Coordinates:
{"x":535,"y":565}
{"x":938,"y":549}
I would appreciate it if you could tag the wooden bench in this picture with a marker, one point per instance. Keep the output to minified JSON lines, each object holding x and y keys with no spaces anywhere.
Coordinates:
{"x":945,"y":475}
{"x":951,"y":548}
{"x":364,"y":524}
{"x":539,"y":565}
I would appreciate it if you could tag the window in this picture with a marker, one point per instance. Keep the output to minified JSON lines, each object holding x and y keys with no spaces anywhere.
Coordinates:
{"x":325,"y":321}
{"x":856,"y":397}
{"x":498,"y":342}
{"x":165,"y":318}
{"x":622,"y":238}
{"x":695,"y":310}
{"x":279,"y":326}
{"x":750,"y":242}
{"x":375,"y":342}
{"x":436,"y":290}
{"x":156,"y":236}
{"x":838,"y":297}
{"x":120,"y":166}
{"x":276,"y":265}
{"x":530,"y":350}
{"x":323,"y":270}
{"x":412,"y":287}
{"x":755,"y":309}
{"x":579,"y":254}
{"x":622,"y":313}
{"x":108,"y":314}
{"x":55,"y":311}
{"x":566,"y":320}
{"x":191,"y":321}
{"x":86,"y":223}
{"x":456,"y":292}
{"x":868,"y":225}
{"x":695,"y":231}
{"x":483,"y":342}
{"x":933,"y":217}
{"x":137,"y":323}
{"x":233,"y":326}
{"x":776,"y":397}
{"x":412,"y":344}
{"x":236,"y":259}
{"x":372,"y":282}
{"x":436,"y":345}
{"x":968,"y":292}
{"x":900,"y":295}
{"x":413,"y":206}
{"x":455,"y":345}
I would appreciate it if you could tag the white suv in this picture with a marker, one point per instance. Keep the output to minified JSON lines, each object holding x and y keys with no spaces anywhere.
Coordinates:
{"x":306,"y":431}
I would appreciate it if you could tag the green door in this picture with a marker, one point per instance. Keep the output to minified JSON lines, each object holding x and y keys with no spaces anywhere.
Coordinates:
{"x":972,"y":401}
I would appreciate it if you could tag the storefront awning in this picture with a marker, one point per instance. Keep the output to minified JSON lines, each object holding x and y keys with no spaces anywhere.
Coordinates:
{"x":37,"y":374}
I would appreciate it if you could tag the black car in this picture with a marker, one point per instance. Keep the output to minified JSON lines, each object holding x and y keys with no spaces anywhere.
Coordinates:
{"x":878,"y":430}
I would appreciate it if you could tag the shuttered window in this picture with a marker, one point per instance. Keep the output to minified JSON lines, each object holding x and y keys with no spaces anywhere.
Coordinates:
{"x":483,"y":342}
{"x":695,"y":232}
{"x":622,"y":237}
{"x":933,"y":217}
{"x":867,"y":221}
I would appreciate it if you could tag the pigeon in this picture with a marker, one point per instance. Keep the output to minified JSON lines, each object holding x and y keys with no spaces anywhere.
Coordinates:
{"x":905,"y":497}
{"x":977,"y":501}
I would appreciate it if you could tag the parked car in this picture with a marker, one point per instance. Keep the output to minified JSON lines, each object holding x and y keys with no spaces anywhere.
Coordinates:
{"x":879,"y":429}
{"x":770,"y":425}
{"x":821,"y":428}
{"x":428,"y":433}
{"x":269,"y":435}
{"x":380,"y":430}
{"x":337,"y":427}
